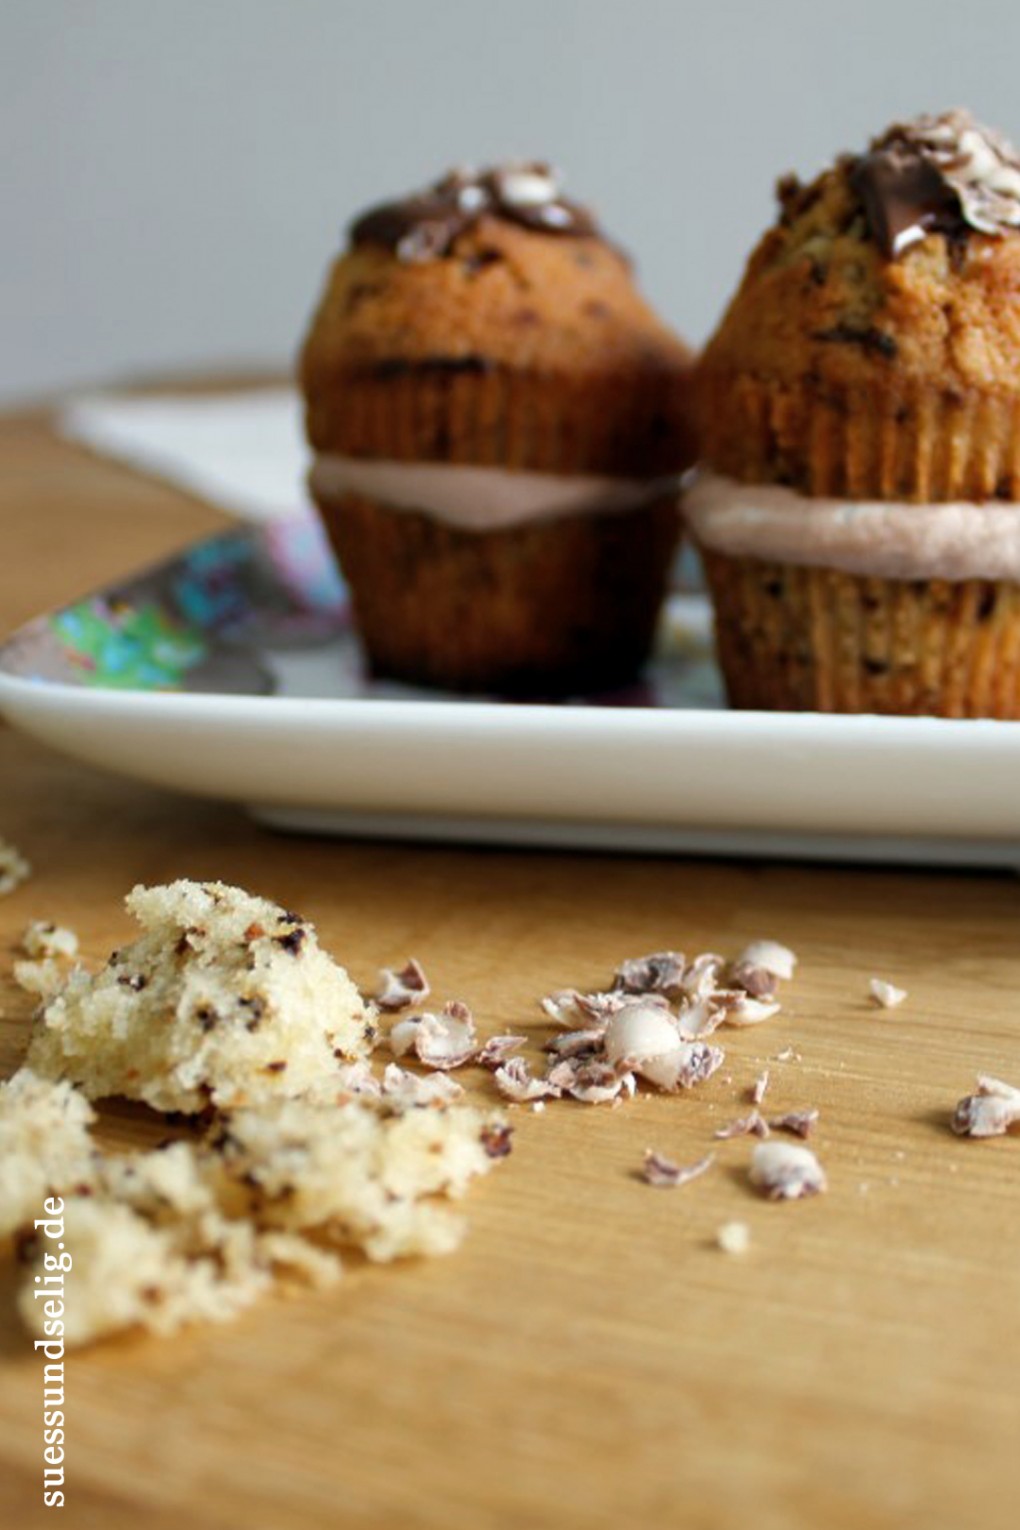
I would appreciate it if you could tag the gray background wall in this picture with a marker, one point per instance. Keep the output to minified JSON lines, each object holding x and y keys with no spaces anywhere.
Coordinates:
{"x":174,"y":173}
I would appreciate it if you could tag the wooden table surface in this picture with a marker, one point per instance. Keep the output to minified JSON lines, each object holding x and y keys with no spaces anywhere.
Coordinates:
{"x":589,"y":1357}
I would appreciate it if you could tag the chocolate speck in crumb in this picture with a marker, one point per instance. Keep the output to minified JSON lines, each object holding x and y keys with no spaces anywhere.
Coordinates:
{"x":292,"y":941}
{"x":276,"y":1067}
{"x":496,"y":1140}
{"x":868,"y":337}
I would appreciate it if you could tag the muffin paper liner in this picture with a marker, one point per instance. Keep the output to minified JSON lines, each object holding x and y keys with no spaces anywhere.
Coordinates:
{"x":794,"y":638}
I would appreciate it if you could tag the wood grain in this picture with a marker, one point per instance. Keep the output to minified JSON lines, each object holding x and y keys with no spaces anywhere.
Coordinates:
{"x":589,"y":1357}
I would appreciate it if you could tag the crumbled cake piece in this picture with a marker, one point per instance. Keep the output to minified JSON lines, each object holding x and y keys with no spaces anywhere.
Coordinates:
{"x":153,"y":1246}
{"x":358,"y":1175}
{"x":43,"y":979}
{"x":44,"y":1140}
{"x":199,"y":1229}
{"x":225,"y":999}
{"x":886,"y":995}
{"x":43,"y":938}
{"x":664,"y":1174}
{"x":398,"y":989}
{"x":14,"y":869}
{"x":785,"y":1171}
{"x":734,"y":1237}
{"x":992,"y":1112}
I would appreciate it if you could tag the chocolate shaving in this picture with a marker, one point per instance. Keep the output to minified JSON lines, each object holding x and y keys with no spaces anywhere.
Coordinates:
{"x":800,"y":1123}
{"x":751,"y":1125}
{"x":664,"y":1174}
{"x":427,"y":225}
{"x":992,"y":1112}
{"x":398,"y":989}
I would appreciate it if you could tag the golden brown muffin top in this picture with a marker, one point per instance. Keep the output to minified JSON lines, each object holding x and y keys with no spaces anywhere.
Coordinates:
{"x":899,"y":265}
{"x":484,"y":271}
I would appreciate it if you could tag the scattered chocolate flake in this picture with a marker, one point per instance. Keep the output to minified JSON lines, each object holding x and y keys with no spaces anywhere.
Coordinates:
{"x":759,"y":1088}
{"x":800,"y":1122}
{"x":992,"y":1112}
{"x":571,"y":1008}
{"x":753,"y":980}
{"x":701,"y":1017}
{"x":886,"y":995}
{"x":494,"y":1052}
{"x":742,"y":1010}
{"x":136,"y":981}
{"x":515,"y":1081}
{"x":701,"y":978}
{"x":664,"y":1174}
{"x":785,"y":1171}
{"x":660,"y":972}
{"x":734,"y":1237}
{"x":751,"y":1125}
{"x":439,"y":1041}
{"x":402,"y":1087}
{"x":399,"y":989}
{"x":575,"y":1043}
{"x":276,"y":1067}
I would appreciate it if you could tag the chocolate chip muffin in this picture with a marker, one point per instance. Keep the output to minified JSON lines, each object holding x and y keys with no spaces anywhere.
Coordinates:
{"x":858,"y":509}
{"x":498,"y":420}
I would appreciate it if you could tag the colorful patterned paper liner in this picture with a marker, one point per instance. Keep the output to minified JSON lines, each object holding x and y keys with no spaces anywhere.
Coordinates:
{"x":264,"y":610}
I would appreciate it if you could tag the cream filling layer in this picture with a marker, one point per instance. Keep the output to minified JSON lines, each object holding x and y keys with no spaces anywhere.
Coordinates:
{"x":887,"y":539}
{"x":482,"y":498}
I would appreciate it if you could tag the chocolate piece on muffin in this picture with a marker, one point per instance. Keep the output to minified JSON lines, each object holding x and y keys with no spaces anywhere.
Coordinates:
{"x":498,"y":419}
{"x":858,"y":508}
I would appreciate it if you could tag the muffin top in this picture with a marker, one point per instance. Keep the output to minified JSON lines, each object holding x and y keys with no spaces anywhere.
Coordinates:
{"x":894,"y":267}
{"x":485,"y":269}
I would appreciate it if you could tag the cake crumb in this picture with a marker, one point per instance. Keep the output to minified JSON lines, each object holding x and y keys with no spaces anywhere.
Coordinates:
{"x":885,"y":995}
{"x":14,"y":869}
{"x":43,"y":938}
{"x":217,"y":989}
{"x":734,"y":1237}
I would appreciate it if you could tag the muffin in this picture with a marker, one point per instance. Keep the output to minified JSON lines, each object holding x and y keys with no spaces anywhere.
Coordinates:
{"x":498,"y":420}
{"x":857,"y":507}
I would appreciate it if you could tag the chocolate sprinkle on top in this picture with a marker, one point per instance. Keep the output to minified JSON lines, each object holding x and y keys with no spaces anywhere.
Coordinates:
{"x":945,"y":174}
{"x":426,"y":225}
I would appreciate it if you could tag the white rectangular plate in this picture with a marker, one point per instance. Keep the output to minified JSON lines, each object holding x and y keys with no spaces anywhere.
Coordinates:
{"x":232,"y":671}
